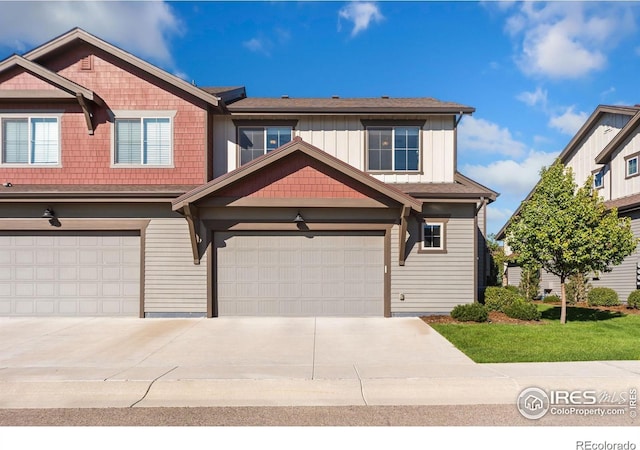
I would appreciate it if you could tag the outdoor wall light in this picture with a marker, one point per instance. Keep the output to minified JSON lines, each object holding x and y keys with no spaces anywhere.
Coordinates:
{"x":299,"y":218}
{"x":49,"y":214}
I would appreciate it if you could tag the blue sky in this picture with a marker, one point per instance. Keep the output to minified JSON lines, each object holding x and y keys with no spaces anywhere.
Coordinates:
{"x":534,"y":71}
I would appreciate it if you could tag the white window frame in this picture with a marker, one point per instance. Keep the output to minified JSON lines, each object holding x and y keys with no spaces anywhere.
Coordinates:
{"x":265,"y":132}
{"x":393,"y":128}
{"x":595,"y":178}
{"x":627,"y":160}
{"x":29,"y":117}
{"x":442,"y":223}
{"x":142,"y":115}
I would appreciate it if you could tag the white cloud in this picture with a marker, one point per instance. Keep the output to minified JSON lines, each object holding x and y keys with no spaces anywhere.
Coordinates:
{"x":484,"y":136}
{"x":498,"y":215}
{"x":538,"y":97}
{"x":568,"y":39}
{"x":142,"y":28}
{"x":568,"y":122}
{"x":362,"y":14}
{"x":258,"y":45}
{"x":510,"y":176}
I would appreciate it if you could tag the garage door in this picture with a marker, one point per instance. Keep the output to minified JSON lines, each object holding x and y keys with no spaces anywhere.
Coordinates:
{"x":300,"y":274}
{"x":69,"y":274}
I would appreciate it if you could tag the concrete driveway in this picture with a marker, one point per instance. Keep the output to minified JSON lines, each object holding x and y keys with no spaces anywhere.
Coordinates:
{"x":115,"y":362}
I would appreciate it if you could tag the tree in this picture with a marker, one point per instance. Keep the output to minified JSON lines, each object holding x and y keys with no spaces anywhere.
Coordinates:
{"x":498,"y":259}
{"x":529,"y":282}
{"x":567,"y":230}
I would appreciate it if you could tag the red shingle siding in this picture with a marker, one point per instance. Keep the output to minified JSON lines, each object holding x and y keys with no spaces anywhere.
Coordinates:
{"x":86,"y":159}
{"x":300,"y":177}
{"x":20,"y":80}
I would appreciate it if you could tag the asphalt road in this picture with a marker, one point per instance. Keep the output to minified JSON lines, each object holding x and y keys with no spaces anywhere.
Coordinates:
{"x":476,"y":415}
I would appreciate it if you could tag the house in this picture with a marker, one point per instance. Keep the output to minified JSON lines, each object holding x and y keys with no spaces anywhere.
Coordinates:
{"x":128,"y":191}
{"x":607,"y":146}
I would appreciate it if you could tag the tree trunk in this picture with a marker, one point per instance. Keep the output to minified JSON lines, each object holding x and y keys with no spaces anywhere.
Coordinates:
{"x":563,"y":307}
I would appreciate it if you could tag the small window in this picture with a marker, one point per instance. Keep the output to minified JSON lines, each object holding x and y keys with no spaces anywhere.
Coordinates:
{"x":30,"y":140}
{"x":257,"y":141}
{"x":393,"y":149}
{"x":433,"y":235}
{"x":598,"y":179}
{"x":632,"y":166}
{"x":143,"y":141}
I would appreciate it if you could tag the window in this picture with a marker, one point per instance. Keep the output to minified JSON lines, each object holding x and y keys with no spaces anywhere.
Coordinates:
{"x":433,"y":235}
{"x":30,"y":140}
{"x":632,"y":165}
{"x":257,"y":141}
{"x":393,"y":148}
{"x":598,"y":179}
{"x":143,"y":141}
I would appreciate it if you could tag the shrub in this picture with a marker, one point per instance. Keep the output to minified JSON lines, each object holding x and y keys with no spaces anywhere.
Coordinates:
{"x":577,"y":288}
{"x":529,"y":283}
{"x":634,"y":300}
{"x":512,"y":288}
{"x":471,"y":312}
{"x":551,"y":299}
{"x":522,"y":310}
{"x":496,"y":298}
{"x":602,"y":296}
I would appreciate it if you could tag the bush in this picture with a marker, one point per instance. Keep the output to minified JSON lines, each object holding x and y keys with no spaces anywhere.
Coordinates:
{"x":522,"y":310}
{"x":529,"y":283}
{"x":577,"y":288}
{"x":496,"y":298}
{"x":602,"y":296}
{"x":551,"y":299}
{"x":471,"y":312}
{"x":634,"y":300}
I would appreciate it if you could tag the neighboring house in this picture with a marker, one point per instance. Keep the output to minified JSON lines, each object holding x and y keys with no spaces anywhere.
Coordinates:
{"x":607,"y":147}
{"x":128,"y":191}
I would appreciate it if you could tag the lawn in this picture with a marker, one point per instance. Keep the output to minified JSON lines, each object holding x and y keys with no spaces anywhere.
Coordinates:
{"x":588,"y":335}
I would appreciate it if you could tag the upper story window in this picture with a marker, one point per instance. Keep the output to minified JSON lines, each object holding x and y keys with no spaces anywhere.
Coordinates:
{"x":143,"y":139}
{"x":257,"y":137}
{"x":598,"y":179}
{"x":393,"y":147}
{"x":256,"y":141}
{"x":631,"y":163}
{"x":30,"y":140}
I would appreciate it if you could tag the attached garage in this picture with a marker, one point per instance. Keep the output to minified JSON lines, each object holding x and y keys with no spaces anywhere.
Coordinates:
{"x":299,"y":273}
{"x":69,"y":273}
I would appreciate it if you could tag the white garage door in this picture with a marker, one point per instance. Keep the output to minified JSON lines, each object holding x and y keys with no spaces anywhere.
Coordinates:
{"x":69,"y":274}
{"x":300,"y":274}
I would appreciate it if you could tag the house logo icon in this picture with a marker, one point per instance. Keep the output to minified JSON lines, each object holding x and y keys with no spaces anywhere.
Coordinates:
{"x":533,"y":403}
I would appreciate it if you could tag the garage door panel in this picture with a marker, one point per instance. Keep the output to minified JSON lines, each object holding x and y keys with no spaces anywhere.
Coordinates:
{"x":300,"y":274}
{"x":70,"y":273}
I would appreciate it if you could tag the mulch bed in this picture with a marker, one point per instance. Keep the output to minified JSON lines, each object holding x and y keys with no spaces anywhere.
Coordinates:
{"x":498,"y":317}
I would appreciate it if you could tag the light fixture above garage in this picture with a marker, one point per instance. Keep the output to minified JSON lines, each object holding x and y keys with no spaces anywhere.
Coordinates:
{"x":49,"y":214}
{"x":299,"y":218}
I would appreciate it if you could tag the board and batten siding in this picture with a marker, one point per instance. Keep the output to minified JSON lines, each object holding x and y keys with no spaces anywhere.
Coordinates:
{"x":621,"y":186}
{"x":582,"y":159}
{"x":434,"y":283}
{"x":173,"y":284}
{"x":344,"y":137}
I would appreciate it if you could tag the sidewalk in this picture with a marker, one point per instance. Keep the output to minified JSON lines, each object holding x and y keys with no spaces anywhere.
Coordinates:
{"x":101,"y":363}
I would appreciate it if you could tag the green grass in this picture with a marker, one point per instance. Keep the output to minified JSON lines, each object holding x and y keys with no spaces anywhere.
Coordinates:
{"x":588,"y":335}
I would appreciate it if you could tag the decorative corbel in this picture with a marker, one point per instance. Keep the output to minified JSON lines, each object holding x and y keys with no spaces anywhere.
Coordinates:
{"x":404,"y":221}
{"x":191,"y":214}
{"x":88,"y":113}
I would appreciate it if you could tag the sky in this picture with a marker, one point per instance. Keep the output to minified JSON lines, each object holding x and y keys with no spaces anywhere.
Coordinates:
{"x":533,"y":71}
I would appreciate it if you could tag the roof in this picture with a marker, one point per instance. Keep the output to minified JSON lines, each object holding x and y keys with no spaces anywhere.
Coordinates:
{"x":78,"y":34}
{"x":379,"y":105}
{"x":604,"y":156}
{"x":228,"y":94}
{"x":21,"y":191}
{"x":296,"y":145}
{"x":593,"y":119}
{"x":624,"y":203}
{"x":463,"y":187}
{"x":71,"y":88}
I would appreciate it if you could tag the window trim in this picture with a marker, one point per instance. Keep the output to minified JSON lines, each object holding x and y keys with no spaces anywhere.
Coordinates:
{"x":393,"y":124}
{"x":595,"y":173}
{"x":262,"y":123}
{"x":635,"y":156}
{"x":29,"y":115}
{"x":141,"y":115}
{"x":443,"y":235}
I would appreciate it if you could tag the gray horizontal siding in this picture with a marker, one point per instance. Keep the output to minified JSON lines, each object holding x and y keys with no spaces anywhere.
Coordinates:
{"x":514,"y":275}
{"x":434,"y":283}
{"x":172,"y":282}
